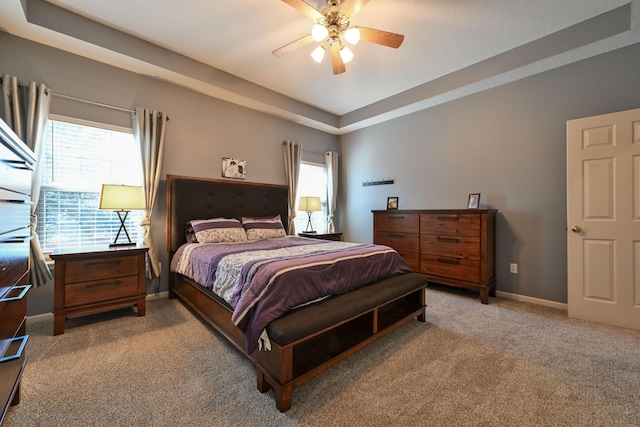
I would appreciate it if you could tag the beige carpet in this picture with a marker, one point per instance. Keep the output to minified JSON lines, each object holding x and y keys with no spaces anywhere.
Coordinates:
{"x":503,"y":364}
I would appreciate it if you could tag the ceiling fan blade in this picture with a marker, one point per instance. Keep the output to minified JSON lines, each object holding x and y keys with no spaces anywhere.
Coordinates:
{"x":384,"y":38}
{"x":336,"y":60}
{"x":351,"y":7}
{"x":304,"y":8}
{"x":293,"y":45}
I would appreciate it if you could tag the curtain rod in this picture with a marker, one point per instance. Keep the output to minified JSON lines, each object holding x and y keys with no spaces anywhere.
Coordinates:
{"x":87,"y":101}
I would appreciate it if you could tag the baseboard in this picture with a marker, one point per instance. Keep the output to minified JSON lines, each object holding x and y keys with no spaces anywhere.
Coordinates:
{"x":36,"y":318}
{"x":532,"y":300}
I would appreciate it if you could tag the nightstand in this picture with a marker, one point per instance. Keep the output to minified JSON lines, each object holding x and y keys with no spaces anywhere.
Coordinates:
{"x":322,"y":236}
{"x":88,"y":280}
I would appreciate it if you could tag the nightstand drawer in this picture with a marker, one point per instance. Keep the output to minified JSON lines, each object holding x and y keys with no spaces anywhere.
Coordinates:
{"x":100,"y":268}
{"x":453,"y":268}
{"x":450,"y":224}
{"x":100,"y":290}
{"x":452,"y":246}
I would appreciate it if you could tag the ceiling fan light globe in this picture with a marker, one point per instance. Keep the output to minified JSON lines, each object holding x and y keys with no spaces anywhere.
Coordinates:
{"x":352,"y":35}
{"x":319,"y":32}
{"x":318,"y":54}
{"x":346,"y":55}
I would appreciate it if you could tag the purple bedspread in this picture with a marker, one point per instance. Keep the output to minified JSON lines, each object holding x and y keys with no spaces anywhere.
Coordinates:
{"x":269,"y":287}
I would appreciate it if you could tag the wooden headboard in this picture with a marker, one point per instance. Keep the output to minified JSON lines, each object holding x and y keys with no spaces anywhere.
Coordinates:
{"x":203,"y":198}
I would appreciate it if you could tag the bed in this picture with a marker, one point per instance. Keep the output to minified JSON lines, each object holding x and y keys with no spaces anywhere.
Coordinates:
{"x":309,"y":339}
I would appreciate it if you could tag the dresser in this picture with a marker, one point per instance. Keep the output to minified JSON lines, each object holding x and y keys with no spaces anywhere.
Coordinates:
{"x":92,"y":279}
{"x":16,"y":165}
{"x":454,"y":247}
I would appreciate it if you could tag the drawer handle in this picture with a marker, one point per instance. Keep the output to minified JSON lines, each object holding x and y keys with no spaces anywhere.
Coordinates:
{"x":448,"y":239}
{"x":24,"y":291}
{"x":396,"y":217}
{"x":397,"y":236}
{"x":18,"y":354}
{"x":16,"y":201}
{"x":448,"y":261}
{"x":17,"y":239}
{"x":91,"y":264}
{"x":18,"y":164}
{"x":448,"y":218}
{"x":102,"y":285}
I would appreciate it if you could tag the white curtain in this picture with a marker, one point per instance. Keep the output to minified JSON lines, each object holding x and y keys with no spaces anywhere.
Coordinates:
{"x":149,"y":131}
{"x":292,"y":154}
{"x":26,"y":111}
{"x":331,"y":161}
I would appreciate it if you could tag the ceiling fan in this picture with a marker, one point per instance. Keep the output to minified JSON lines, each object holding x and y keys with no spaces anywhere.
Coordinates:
{"x":333,"y":28}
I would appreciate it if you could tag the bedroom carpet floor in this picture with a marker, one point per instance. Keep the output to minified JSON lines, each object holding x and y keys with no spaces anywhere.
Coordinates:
{"x":508,"y":363}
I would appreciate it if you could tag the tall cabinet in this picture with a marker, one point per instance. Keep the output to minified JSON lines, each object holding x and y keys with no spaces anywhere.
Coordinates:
{"x":454,"y":247}
{"x":17,"y":162}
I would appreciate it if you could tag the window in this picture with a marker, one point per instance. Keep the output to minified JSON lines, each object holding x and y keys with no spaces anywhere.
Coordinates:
{"x":78,"y":158}
{"x":312,"y":181}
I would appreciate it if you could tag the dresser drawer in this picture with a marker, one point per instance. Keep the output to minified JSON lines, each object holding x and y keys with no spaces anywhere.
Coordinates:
{"x":100,"y":290}
{"x":14,"y":258}
{"x":15,"y":213}
{"x":398,"y":223}
{"x":13,"y":309}
{"x":399,"y":241}
{"x":451,"y":246}
{"x":412,"y":259}
{"x":100,"y":268}
{"x":467,"y":270}
{"x":450,"y":224}
{"x":12,"y":363}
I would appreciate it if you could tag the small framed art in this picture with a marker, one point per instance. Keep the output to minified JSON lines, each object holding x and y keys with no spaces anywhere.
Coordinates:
{"x":392,"y":203}
{"x":234,"y":168}
{"x":474,"y":201}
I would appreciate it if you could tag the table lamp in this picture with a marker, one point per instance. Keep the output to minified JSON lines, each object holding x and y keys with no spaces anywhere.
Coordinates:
{"x":122,"y":199}
{"x":309,"y":204}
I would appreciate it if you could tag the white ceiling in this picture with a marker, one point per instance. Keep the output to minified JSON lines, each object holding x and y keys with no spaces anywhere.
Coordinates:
{"x":237,"y":37}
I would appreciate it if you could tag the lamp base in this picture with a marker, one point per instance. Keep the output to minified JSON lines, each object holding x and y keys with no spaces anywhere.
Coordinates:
{"x":114,"y":245}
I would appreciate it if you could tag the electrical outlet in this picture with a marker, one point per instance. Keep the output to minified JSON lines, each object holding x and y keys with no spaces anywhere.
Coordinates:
{"x":513,"y":268}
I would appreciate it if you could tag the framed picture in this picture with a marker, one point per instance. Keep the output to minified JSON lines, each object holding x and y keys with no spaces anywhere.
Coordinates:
{"x":474,"y":201}
{"x":234,"y":168}
{"x":392,"y":203}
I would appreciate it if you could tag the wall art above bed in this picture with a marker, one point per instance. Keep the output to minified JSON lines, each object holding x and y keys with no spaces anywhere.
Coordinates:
{"x":234,"y":168}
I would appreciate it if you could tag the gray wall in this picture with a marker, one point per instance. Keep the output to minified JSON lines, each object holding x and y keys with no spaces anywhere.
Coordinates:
{"x":507,"y":143}
{"x":201,"y":130}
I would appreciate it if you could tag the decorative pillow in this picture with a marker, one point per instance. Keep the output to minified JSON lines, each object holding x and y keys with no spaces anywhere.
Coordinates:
{"x":263,"y":227}
{"x":218,"y":230}
{"x":189,"y":233}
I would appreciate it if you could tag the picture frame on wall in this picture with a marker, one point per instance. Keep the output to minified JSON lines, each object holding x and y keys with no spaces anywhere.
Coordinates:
{"x":234,"y":168}
{"x":474,"y":201}
{"x":392,"y":203}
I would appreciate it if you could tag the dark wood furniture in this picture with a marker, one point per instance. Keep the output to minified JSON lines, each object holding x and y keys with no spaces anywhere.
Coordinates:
{"x":323,"y":236}
{"x":453,"y":247}
{"x":88,"y":280}
{"x":306,"y":341}
{"x":16,"y":165}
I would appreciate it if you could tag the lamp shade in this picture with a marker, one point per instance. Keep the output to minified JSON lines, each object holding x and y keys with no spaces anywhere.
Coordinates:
{"x":310,"y":204}
{"x":121,"y":197}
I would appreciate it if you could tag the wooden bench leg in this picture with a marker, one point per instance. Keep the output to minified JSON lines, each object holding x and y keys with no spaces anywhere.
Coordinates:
{"x":262,"y":383}
{"x":283,"y":397}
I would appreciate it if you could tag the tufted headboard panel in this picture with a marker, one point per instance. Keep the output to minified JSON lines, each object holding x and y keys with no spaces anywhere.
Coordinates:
{"x":203,"y":198}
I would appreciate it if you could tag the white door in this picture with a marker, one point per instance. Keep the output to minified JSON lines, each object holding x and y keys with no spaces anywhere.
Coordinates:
{"x":603,"y":214}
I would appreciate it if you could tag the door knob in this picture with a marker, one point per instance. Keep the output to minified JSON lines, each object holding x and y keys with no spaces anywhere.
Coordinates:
{"x":576,"y":229}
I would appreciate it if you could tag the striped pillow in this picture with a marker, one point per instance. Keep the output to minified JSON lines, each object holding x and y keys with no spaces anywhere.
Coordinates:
{"x":218,"y":230}
{"x":263,"y":227}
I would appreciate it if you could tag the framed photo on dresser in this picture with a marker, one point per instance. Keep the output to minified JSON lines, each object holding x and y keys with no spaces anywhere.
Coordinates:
{"x":392,"y":203}
{"x":474,"y":201}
